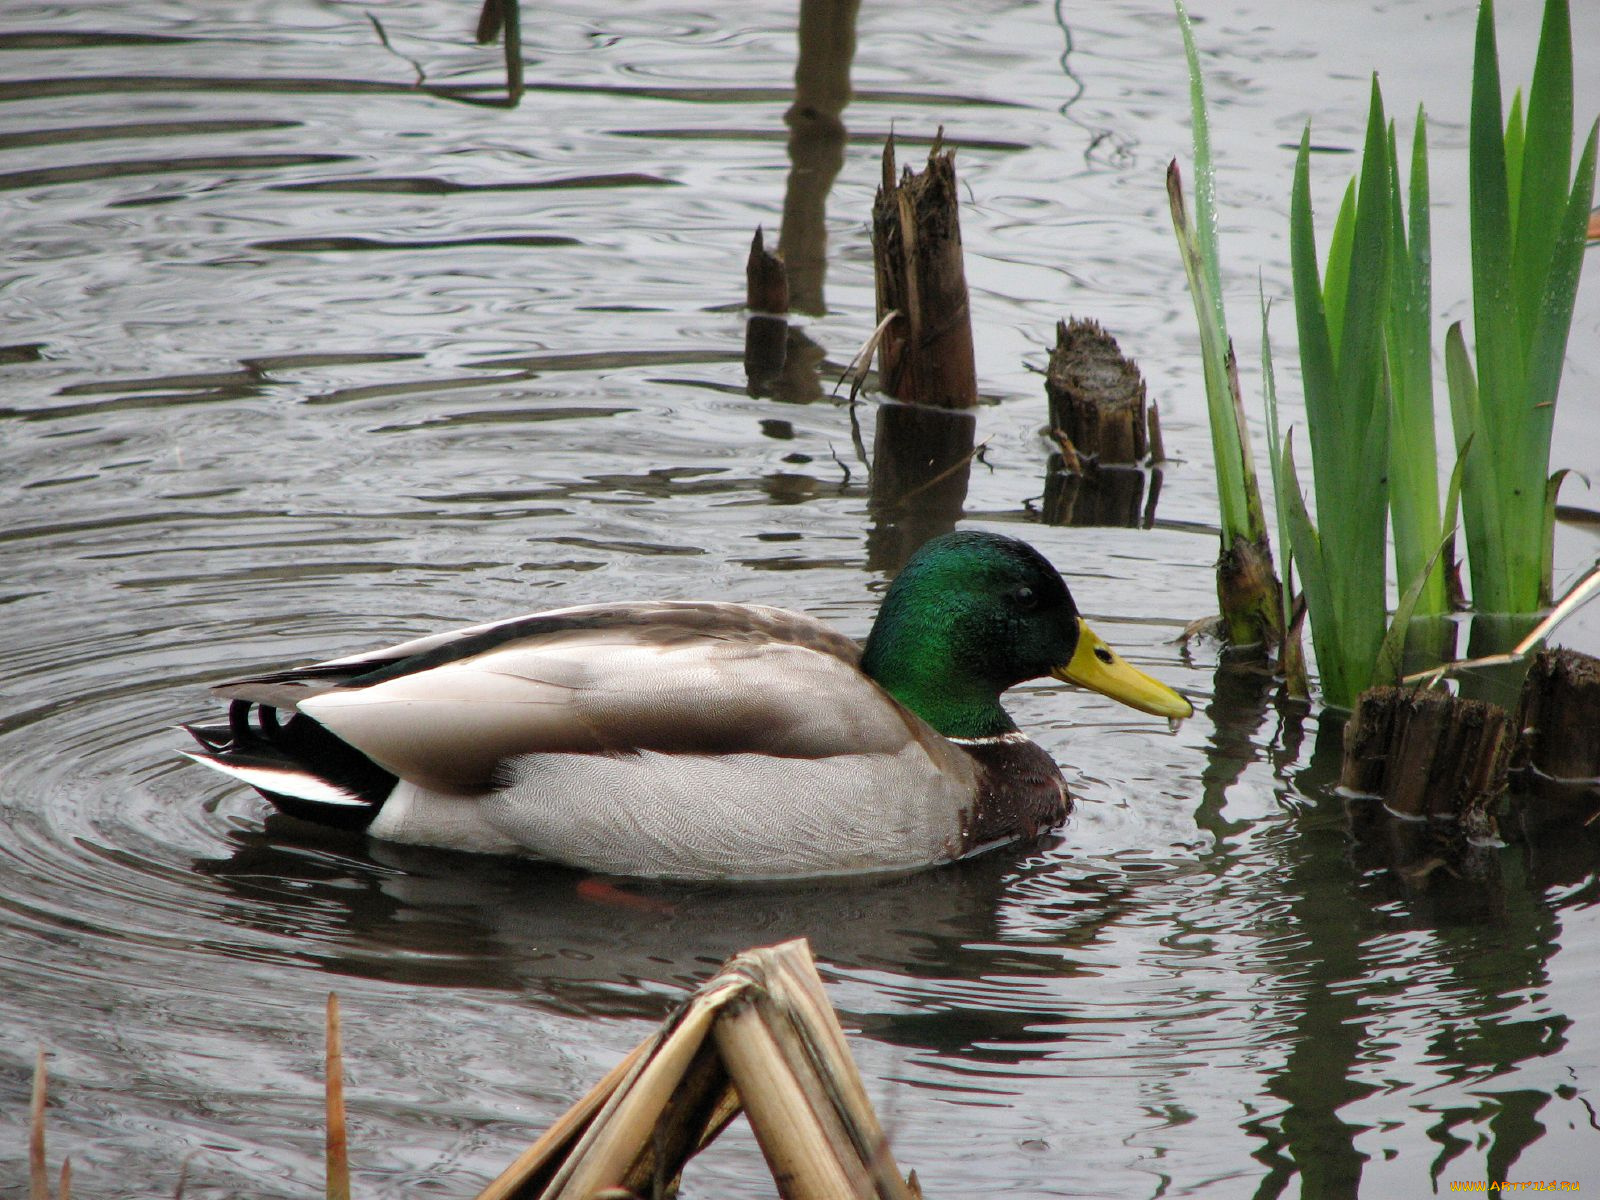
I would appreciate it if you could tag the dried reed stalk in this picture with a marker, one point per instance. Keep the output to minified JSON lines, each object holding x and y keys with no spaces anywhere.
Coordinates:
{"x":621,"y":1132}
{"x":338,"y":1145}
{"x":534,"y":1164}
{"x":760,"y":1037}
{"x":38,"y":1183}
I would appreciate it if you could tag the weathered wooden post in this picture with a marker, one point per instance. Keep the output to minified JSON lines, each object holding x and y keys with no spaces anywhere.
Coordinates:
{"x":1104,"y":430}
{"x":926,"y":354}
{"x":1428,"y":754}
{"x":924,"y":445}
{"x":1559,"y":720}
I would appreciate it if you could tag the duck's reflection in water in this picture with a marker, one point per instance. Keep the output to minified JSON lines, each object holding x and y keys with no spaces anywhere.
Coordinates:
{"x":940,"y":959}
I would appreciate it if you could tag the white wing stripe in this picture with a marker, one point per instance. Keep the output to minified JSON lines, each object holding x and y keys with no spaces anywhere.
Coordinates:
{"x":285,"y":782}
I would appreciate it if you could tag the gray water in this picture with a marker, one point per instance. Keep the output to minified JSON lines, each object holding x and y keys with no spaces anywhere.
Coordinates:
{"x":300,"y":358}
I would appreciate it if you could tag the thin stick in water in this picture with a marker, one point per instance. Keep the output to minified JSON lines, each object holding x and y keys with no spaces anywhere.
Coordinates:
{"x":38,"y":1185}
{"x":338,"y":1147}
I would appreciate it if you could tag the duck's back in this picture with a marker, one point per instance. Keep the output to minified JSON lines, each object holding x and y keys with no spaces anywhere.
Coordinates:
{"x":684,"y":739}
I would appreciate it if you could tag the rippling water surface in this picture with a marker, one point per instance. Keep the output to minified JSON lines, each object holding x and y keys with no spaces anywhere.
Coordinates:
{"x":300,"y":357}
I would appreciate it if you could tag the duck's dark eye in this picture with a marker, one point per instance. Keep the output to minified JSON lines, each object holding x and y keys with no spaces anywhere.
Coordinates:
{"x":1025,"y":599}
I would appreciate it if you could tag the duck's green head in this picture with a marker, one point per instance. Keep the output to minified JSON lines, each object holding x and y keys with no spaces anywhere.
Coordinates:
{"x":975,"y":613}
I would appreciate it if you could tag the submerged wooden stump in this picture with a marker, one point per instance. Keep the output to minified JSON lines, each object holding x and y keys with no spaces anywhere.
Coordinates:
{"x":1097,"y":395}
{"x":926,"y":355}
{"x":924,"y":447}
{"x":817,"y":137}
{"x":1559,"y":720}
{"x":766,"y":279}
{"x":1429,"y":755}
{"x":766,"y":329}
{"x":1104,"y":431}
{"x":1096,"y":495}
{"x":504,"y":16}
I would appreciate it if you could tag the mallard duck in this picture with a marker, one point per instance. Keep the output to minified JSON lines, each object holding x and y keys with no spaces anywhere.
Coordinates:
{"x":696,"y":740}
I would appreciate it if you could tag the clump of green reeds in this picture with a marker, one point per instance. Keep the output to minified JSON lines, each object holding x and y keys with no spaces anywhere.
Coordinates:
{"x":1343,"y":563}
{"x":1529,"y":214}
{"x":1364,"y":323}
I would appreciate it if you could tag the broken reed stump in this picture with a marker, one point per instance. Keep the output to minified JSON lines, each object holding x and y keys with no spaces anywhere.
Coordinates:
{"x":926,"y":354}
{"x":766,"y":280}
{"x":1559,"y":720}
{"x":1247,"y":583}
{"x":761,"y":1037}
{"x":1428,"y":754}
{"x":337,"y":1142}
{"x":1431,"y":755}
{"x":766,"y":329}
{"x":922,"y":455}
{"x":1097,"y":395}
{"x":1103,"y":429}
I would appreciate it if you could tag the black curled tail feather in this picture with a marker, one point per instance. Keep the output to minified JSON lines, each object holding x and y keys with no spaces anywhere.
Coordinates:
{"x":344,"y":788}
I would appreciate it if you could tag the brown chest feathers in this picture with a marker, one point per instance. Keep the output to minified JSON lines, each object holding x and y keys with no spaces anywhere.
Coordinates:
{"x":1021,"y":793}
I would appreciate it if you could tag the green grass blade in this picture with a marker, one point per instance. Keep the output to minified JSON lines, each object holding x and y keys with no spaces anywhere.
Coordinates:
{"x":1502,"y":414}
{"x":1291,"y":652}
{"x":1389,"y":665}
{"x":1548,"y":348}
{"x":1413,"y":452}
{"x":1539,"y":279}
{"x":1248,"y":617}
{"x":1347,"y":411}
{"x":1527,"y":219}
{"x":1546,"y":164}
{"x":1490,"y":204}
{"x":1269,"y":390}
{"x":1318,"y":378}
{"x":1336,"y":278}
{"x":1351,"y":472}
{"x":1515,"y":145}
{"x":1480,"y":487}
{"x":1421,"y":243}
{"x":1360,"y":350}
{"x":1552,"y":492}
{"x":1227,"y":452}
{"x":1337,"y":688}
{"x":1205,"y":181}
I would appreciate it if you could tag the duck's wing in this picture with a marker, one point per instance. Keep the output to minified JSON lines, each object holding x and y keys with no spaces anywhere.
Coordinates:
{"x":451,"y":712}
{"x":286,"y":689}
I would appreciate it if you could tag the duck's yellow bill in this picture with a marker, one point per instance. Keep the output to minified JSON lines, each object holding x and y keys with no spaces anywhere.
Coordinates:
{"x":1099,"y":668}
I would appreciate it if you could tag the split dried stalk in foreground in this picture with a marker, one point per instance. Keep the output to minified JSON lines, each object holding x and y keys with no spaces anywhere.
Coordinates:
{"x":762,"y":1038}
